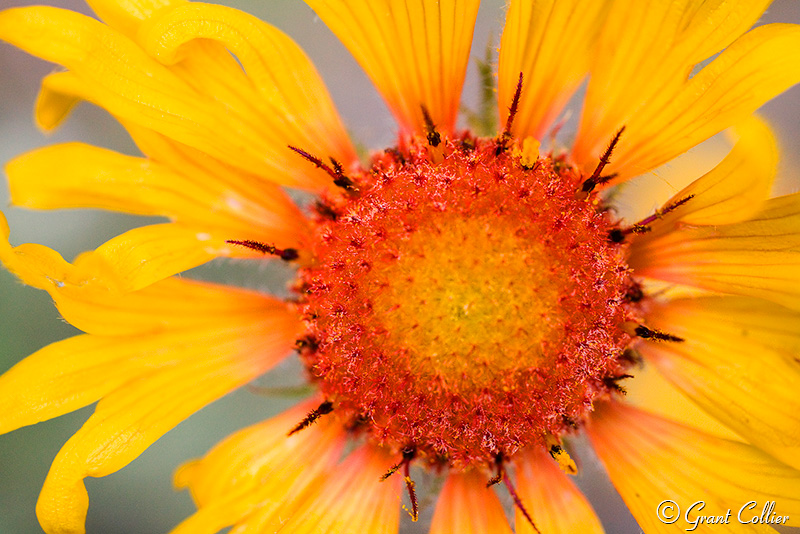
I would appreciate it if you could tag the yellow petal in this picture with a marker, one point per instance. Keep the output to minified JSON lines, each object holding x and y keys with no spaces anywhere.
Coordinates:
{"x":651,"y":460}
{"x":129,"y":419}
{"x":733,"y":191}
{"x":247,"y":458}
{"x":535,"y":43}
{"x":738,"y":363}
{"x":148,"y":254}
{"x":44,"y":268}
{"x":642,"y":79}
{"x":279,"y":93}
{"x":708,"y":27}
{"x":757,"y":258}
{"x":553,"y":501}
{"x":168,"y":305}
{"x":467,"y":506}
{"x":70,"y":374}
{"x":116,"y":74}
{"x":64,"y":377}
{"x":757,"y":67}
{"x":651,"y":392}
{"x":126,"y":263}
{"x":351,"y":500}
{"x":260,"y":468}
{"x":76,"y":175}
{"x":131,"y":261}
{"x":60,"y":92}
{"x":126,"y":16}
{"x":415,"y":52}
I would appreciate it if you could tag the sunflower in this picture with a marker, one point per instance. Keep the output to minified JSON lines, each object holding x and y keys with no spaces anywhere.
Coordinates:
{"x":465,"y":306}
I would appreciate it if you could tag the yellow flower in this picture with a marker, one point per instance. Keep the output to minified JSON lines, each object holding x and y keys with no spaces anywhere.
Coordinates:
{"x":463,"y":305}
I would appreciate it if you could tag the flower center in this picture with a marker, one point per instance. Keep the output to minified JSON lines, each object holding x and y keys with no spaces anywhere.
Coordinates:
{"x":465,"y":294}
{"x":462,"y":304}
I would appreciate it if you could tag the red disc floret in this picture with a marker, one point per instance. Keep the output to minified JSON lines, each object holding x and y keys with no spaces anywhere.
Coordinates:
{"x":463,"y":304}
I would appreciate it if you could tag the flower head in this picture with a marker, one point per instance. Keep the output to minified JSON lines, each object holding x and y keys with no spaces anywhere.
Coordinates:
{"x":463,"y":305}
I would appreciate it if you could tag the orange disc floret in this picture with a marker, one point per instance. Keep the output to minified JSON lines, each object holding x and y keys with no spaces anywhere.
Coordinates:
{"x":464,"y":302}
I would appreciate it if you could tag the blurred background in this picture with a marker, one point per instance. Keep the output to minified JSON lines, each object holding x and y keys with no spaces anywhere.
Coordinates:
{"x":140,"y":499}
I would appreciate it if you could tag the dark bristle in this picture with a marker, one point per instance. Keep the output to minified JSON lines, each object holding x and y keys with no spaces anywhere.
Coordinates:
{"x":631,"y":356}
{"x":313,"y":159}
{"x":512,"y":110}
{"x":595,"y":179}
{"x":498,"y":465}
{"x":340,"y":180}
{"x":409,"y":453}
{"x":336,"y":171}
{"x":506,"y":135}
{"x":309,"y":343}
{"x":398,"y":156}
{"x":337,"y":167}
{"x":344,"y":182}
{"x":634,"y":293}
{"x":467,"y":144}
{"x":518,"y":502}
{"x":612,"y":382}
{"x":616,"y":235}
{"x":412,"y":494}
{"x":569,"y":422}
{"x":323,"y":409}
{"x":659,"y":214}
{"x":434,"y":137}
{"x":648,"y":333}
{"x":289,"y":254}
{"x":676,"y":204}
{"x":286,"y":254}
{"x":392,"y":470}
{"x":325,"y":210}
{"x":494,"y":480}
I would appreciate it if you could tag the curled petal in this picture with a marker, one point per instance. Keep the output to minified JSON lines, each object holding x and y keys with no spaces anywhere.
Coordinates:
{"x":132,"y":417}
{"x":126,"y":16}
{"x":147,"y":254}
{"x":291,"y":102}
{"x":90,"y":294}
{"x":112,"y":71}
{"x":59,"y":93}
